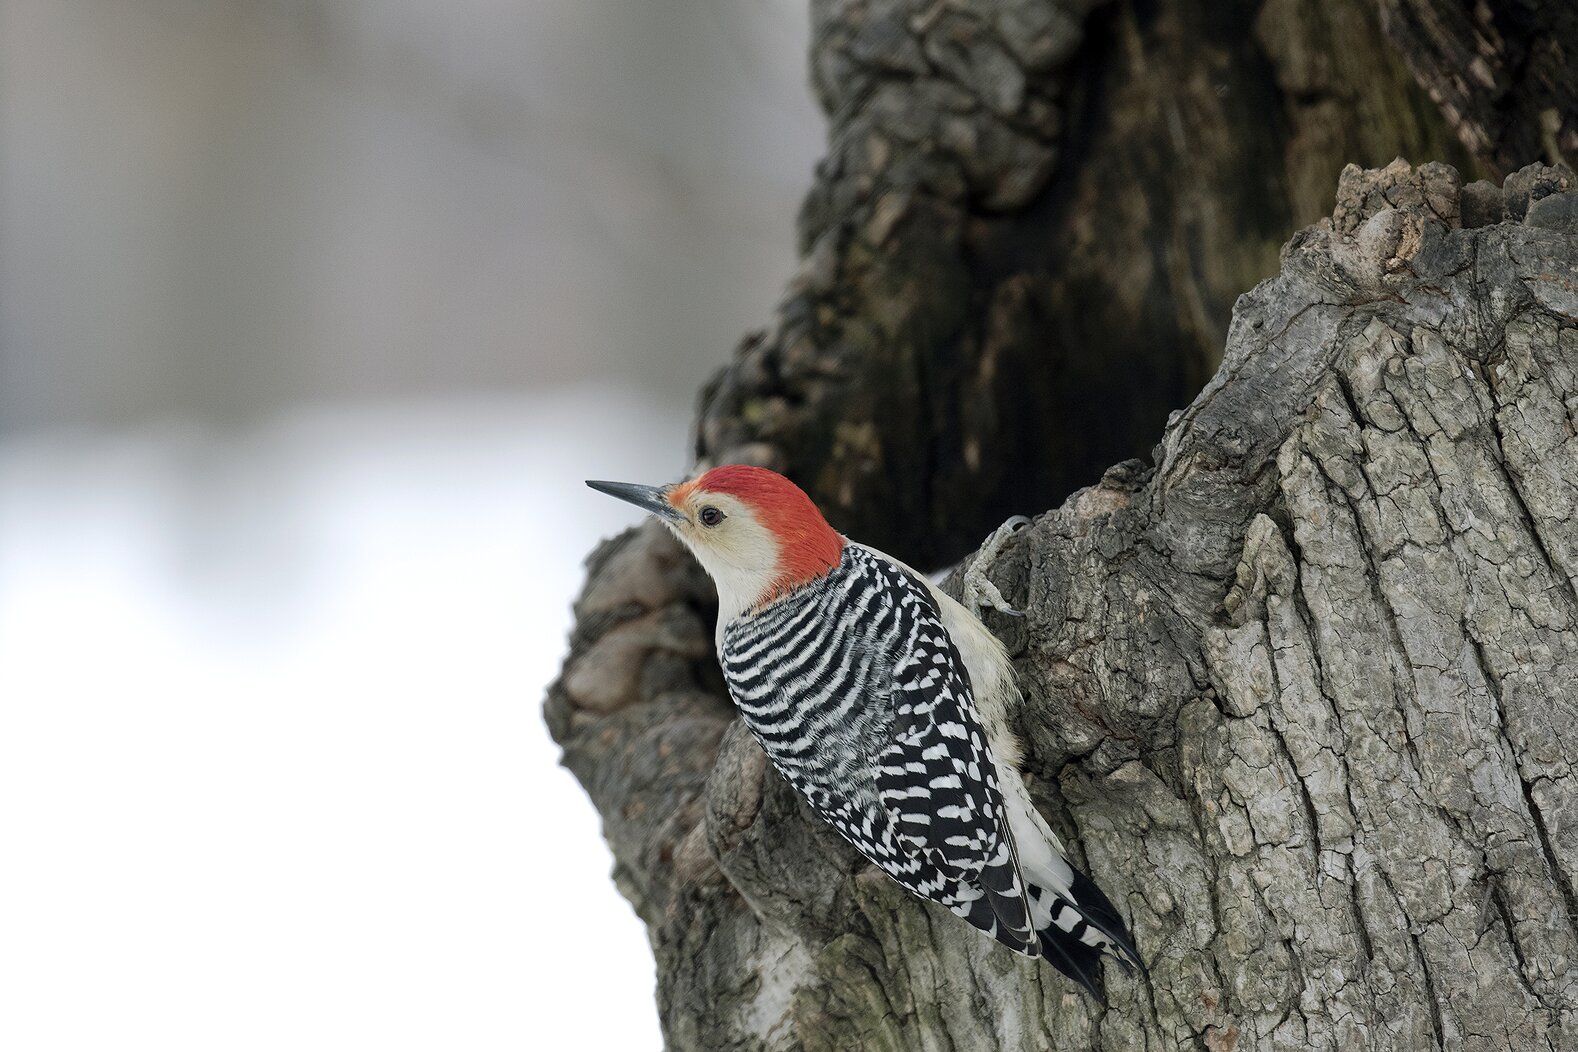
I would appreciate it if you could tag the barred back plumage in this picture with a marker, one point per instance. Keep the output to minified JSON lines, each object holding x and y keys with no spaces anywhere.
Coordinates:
{"x":855,"y":691}
{"x":855,"y":675}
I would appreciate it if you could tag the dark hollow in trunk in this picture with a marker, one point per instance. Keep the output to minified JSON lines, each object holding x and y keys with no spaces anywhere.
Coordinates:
{"x":1299,"y":686}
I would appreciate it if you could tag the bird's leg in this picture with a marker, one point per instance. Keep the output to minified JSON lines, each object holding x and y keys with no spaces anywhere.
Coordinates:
{"x":978,"y":591}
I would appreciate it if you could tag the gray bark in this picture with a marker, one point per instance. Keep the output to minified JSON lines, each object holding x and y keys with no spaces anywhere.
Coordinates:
{"x":1023,"y":247}
{"x":1298,"y":690}
{"x":1301,"y":696}
{"x":1502,"y":72}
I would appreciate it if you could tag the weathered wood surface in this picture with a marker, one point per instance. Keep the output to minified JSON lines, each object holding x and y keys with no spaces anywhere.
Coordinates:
{"x":1023,"y":247}
{"x":1503,"y":72}
{"x":1299,"y":689}
{"x":1302,"y":695}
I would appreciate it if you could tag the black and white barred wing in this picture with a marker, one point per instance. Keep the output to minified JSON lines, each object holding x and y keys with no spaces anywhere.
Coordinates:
{"x":936,"y":777}
{"x":862,"y":702}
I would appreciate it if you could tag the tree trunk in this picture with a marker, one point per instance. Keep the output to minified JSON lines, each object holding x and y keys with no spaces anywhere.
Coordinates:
{"x":1502,"y":71}
{"x":1299,"y":695}
{"x":1023,"y":247}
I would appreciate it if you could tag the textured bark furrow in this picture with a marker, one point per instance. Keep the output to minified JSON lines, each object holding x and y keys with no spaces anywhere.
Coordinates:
{"x":1390,"y":496}
{"x":1501,"y":71}
{"x":642,"y":710}
{"x":971,"y":298}
{"x":1300,"y":697}
{"x":942,"y":116}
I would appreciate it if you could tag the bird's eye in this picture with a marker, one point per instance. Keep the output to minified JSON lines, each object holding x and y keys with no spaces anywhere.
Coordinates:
{"x":710,"y":516}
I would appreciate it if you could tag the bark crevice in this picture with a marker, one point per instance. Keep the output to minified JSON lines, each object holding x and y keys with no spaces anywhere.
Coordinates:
{"x":1299,"y":689}
{"x":1306,"y":687}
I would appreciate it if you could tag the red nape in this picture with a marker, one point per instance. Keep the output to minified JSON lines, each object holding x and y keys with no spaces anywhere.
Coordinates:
{"x":808,"y":546}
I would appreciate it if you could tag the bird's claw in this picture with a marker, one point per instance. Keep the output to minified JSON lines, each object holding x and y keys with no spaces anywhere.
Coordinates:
{"x":979,"y":591}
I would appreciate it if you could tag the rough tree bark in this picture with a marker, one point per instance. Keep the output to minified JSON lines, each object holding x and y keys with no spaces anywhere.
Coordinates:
{"x":1028,"y":234}
{"x":1503,"y":72}
{"x":1299,"y":692}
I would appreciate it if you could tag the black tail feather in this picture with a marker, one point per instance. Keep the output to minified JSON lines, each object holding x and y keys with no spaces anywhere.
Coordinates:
{"x":1072,"y":918}
{"x":1100,"y":914}
{"x":1079,"y":962}
{"x":1062,"y":938}
{"x":1074,"y":959}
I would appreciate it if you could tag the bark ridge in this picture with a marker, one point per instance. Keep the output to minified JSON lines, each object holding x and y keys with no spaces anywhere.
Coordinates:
{"x":1300,"y":692}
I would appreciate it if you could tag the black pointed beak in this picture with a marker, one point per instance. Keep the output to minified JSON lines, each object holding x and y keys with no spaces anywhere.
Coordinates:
{"x":647,"y":498}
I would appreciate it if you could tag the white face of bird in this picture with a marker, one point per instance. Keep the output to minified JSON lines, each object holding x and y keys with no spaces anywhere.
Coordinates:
{"x":733,"y":545}
{"x":752,"y":530}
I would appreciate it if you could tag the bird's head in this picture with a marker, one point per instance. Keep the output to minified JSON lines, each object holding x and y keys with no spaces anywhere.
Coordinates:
{"x":756,"y":533}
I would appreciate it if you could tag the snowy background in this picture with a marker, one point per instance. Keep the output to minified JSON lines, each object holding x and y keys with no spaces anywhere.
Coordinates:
{"x":313,"y":316}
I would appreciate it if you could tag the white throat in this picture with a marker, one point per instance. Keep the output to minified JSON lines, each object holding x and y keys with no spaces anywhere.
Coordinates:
{"x":741,"y":577}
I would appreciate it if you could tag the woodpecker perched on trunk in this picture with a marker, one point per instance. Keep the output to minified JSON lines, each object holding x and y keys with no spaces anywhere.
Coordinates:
{"x":885,"y":704}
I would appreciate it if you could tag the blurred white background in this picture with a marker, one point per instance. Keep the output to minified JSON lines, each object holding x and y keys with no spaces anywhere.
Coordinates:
{"x":313,"y":315}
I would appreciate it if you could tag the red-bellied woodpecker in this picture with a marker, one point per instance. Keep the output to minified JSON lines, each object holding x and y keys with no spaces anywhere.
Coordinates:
{"x":885,"y":703}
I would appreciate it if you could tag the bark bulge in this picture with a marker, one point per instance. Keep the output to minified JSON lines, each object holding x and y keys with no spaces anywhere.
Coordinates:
{"x":1299,"y":686}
